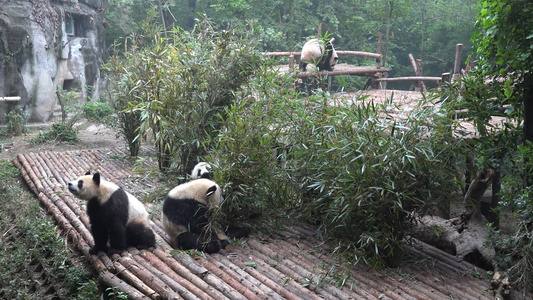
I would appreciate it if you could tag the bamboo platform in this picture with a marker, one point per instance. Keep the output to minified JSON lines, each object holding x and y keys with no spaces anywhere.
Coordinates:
{"x":290,"y":265}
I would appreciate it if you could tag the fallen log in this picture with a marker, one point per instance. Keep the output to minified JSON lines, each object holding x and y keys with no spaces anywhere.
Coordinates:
{"x":221,"y":261}
{"x":211,"y":279}
{"x":273,"y":279}
{"x":240,"y":285}
{"x":147,"y":263}
{"x":113,"y":281}
{"x":160,"y":265}
{"x":134,"y":281}
{"x":185,"y":273}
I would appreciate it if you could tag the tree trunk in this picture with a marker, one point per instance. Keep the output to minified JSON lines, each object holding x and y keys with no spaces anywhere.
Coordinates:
{"x":528,"y":121}
{"x":465,"y":236}
{"x":192,"y":9}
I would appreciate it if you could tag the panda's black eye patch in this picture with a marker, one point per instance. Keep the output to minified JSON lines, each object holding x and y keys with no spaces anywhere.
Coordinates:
{"x":80,"y":184}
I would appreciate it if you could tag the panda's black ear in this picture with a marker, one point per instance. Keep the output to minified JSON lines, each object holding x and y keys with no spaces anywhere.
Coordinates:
{"x":96,"y":178}
{"x":88,"y":172}
{"x":211,"y":190}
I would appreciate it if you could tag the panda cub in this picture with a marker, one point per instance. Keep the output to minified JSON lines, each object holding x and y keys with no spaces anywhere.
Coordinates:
{"x":116,"y":216}
{"x":320,"y":53}
{"x":186,"y":212}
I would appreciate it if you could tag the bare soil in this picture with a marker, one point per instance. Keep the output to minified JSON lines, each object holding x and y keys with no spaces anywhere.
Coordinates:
{"x":90,"y":136}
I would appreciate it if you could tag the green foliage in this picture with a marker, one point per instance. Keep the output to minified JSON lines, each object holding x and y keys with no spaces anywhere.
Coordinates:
{"x":175,"y":88}
{"x":63,"y":131}
{"x":58,"y":133}
{"x":504,"y":38}
{"x":247,"y":147}
{"x":30,"y":239}
{"x":15,"y":122}
{"x":357,"y":170}
{"x":112,"y":293}
{"x":504,"y":47}
{"x":98,"y":112}
{"x":427,"y":29}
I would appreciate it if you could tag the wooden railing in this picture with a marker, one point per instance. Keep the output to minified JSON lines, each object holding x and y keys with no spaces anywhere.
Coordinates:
{"x":291,"y":56}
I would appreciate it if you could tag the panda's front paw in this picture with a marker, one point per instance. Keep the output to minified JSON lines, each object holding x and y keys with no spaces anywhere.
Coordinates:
{"x":94,"y":250}
{"x":211,"y":247}
{"x":112,"y":251}
{"x":223,"y":244}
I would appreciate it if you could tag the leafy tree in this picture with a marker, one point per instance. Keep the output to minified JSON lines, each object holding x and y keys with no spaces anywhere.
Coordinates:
{"x":176,"y":87}
{"x":504,"y":48}
{"x":427,"y":29}
{"x":124,"y":17}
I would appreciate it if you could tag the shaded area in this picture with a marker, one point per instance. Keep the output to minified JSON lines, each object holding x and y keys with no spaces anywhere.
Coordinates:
{"x":291,"y":265}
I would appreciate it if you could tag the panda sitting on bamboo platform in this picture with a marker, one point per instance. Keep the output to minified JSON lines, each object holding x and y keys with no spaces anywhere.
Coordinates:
{"x":320,"y":53}
{"x":115,"y":215}
{"x":186,"y":212}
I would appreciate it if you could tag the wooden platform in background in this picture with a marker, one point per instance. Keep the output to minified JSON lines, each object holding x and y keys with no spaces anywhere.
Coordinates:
{"x":289,"y":265}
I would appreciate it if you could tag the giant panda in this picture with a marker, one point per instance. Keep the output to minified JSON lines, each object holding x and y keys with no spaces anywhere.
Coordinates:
{"x":320,"y":53}
{"x":116,"y":216}
{"x":201,"y":170}
{"x":186,"y":212}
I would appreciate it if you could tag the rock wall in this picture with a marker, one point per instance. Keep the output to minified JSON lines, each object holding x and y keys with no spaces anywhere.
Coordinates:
{"x":49,"y":44}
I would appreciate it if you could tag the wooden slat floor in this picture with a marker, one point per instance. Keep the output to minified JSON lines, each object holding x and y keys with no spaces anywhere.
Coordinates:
{"x":290,"y":265}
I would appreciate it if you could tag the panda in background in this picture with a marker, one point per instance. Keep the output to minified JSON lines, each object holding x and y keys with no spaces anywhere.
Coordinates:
{"x":201,"y":170}
{"x":116,"y":216}
{"x":320,"y":53}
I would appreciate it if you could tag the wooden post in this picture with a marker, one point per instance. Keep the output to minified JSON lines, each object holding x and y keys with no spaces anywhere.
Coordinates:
{"x":382,"y":85}
{"x":419,"y":73}
{"x":457,"y":63}
{"x":291,"y":61}
{"x":415,"y":69}
{"x":378,"y":51}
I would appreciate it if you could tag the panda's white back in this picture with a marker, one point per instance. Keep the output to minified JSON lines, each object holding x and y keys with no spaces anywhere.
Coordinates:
{"x":312,"y":50}
{"x":136,"y":209}
{"x":197,"y":189}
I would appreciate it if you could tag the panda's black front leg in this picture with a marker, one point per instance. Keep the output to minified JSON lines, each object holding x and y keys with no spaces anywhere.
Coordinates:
{"x":117,"y":237}
{"x":208,"y":244}
{"x":100,"y":236}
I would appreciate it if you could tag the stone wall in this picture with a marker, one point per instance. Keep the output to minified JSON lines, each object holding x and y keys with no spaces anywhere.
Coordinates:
{"x":46,"y":44}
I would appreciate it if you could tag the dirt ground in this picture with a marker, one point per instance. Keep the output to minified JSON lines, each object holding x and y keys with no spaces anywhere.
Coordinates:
{"x":90,"y":136}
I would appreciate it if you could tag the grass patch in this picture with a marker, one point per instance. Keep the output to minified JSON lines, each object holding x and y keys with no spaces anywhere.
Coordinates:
{"x":36,"y":260}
